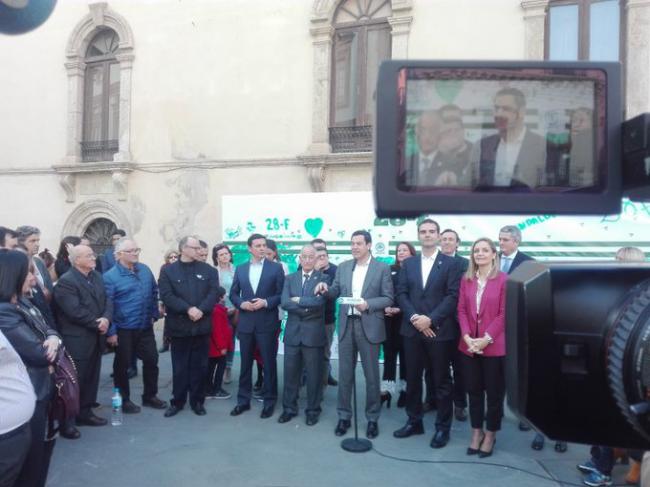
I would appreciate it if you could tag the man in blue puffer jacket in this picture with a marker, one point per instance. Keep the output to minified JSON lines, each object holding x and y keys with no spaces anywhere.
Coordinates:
{"x":134,"y":292}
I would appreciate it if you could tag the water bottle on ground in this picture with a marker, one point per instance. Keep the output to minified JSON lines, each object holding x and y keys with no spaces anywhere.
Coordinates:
{"x":116,"y":402}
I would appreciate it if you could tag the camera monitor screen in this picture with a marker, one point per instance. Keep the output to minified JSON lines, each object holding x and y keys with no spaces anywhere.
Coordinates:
{"x":541,"y":133}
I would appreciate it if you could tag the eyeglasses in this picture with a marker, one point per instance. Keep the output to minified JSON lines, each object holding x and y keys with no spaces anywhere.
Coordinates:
{"x":132,"y":251}
{"x":173,"y":257}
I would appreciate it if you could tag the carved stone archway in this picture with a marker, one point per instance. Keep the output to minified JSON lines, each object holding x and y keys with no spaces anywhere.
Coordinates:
{"x":84,"y":214}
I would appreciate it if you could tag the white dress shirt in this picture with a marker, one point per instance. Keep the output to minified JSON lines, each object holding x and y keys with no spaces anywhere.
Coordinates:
{"x":255,"y":273}
{"x":425,"y":166}
{"x":358,"y":278}
{"x":506,"y":160}
{"x":427,"y":265}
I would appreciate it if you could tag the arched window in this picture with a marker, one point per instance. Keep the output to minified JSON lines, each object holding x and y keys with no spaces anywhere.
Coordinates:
{"x":362,"y":40}
{"x":101,"y":98}
{"x":99,"y":232}
{"x":584,"y":30}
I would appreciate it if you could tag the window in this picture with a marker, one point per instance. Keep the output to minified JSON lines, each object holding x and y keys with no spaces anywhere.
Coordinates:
{"x":362,"y":40}
{"x":99,"y":232}
{"x":584,"y":30}
{"x":101,"y":98}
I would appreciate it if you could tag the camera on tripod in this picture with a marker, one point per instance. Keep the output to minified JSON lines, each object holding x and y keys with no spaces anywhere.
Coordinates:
{"x":463,"y":137}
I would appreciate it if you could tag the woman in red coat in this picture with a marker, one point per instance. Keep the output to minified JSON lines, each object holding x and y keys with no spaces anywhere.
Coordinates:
{"x":481,"y":314}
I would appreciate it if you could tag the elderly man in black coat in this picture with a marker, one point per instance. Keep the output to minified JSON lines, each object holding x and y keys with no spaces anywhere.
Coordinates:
{"x":188,"y":288}
{"x":83,"y":313}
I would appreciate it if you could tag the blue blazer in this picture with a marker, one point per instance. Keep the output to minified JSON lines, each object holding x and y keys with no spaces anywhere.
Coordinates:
{"x":437,"y":299}
{"x":264,"y":320}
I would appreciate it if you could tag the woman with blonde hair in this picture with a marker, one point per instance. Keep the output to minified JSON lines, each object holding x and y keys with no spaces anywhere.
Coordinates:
{"x":481,"y":315}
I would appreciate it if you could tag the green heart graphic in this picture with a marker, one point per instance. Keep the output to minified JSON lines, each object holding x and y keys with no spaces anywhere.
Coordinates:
{"x":313,"y":226}
{"x":448,"y":89}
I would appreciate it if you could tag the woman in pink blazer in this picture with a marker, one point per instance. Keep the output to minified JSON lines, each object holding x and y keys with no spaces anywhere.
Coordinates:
{"x":481,"y":315}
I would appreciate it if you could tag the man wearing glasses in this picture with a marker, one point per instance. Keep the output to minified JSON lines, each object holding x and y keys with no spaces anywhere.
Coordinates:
{"x":134,"y":292}
{"x":188,"y":289}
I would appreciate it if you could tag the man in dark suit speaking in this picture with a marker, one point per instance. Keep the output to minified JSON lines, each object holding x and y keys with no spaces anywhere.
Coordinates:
{"x":256,"y":291}
{"x":427,"y":293}
{"x":304,"y":337}
{"x":515,"y":156}
{"x":84,"y":313}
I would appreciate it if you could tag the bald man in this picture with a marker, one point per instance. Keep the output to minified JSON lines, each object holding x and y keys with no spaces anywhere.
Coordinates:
{"x":84,"y":313}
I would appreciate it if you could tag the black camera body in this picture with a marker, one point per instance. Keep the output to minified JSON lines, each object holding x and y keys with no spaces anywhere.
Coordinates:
{"x":578,"y":334}
{"x":578,"y":356}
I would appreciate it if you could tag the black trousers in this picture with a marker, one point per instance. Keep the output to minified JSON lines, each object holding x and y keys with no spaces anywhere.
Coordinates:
{"x":14,"y":446}
{"x":189,"y":367}
{"x":486,"y":382}
{"x":142,"y":344}
{"x":268,"y":346}
{"x":420,"y":351}
{"x":37,"y":462}
{"x":460,"y":390}
{"x":392,"y":349}
{"x":88,"y":370}
{"x":214,"y":379}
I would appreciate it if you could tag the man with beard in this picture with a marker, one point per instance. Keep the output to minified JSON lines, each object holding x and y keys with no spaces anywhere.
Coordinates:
{"x":514,"y":157}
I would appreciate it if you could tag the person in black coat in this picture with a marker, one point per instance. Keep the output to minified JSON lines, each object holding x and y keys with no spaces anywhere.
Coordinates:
{"x":393,"y":345}
{"x":37,"y":345}
{"x":188,"y":289}
{"x":83,"y":313}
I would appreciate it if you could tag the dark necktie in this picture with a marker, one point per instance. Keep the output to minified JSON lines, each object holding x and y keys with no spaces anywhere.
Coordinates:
{"x":305,"y":278}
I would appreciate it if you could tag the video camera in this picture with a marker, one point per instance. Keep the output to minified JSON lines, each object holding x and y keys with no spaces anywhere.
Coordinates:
{"x":547,"y":138}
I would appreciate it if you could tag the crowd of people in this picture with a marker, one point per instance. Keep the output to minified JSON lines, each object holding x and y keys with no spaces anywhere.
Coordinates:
{"x":437,"y":314}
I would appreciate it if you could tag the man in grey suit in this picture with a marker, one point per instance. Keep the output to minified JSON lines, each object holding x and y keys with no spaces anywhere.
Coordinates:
{"x":361,"y":327}
{"x":304,"y":337}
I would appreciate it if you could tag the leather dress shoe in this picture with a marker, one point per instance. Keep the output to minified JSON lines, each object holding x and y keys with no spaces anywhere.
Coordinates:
{"x":409,"y":429}
{"x":172,"y":410}
{"x":199,"y":410}
{"x":440,"y":439}
{"x":372,"y":431}
{"x":154,"y":402}
{"x":70,"y":432}
{"x":523,"y":426}
{"x":91,"y":420}
{"x":460,"y":414}
{"x":129,"y":407}
{"x":239,"y":408}
{"x":331,"y":381}
{"x":285,"y":417}
{"x":311,"y":419}
{"x":342,"y":427}
{"x":267,"y":412}
{"x":538,"y":442}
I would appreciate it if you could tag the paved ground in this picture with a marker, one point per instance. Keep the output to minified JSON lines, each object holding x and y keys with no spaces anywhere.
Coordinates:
{"x":149,"y":450}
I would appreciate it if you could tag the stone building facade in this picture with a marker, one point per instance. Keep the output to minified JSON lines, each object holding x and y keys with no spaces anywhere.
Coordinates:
{"x":142,"y":114}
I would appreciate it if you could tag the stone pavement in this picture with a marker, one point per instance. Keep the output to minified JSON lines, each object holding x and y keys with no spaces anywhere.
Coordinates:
{"x":149,"y":450}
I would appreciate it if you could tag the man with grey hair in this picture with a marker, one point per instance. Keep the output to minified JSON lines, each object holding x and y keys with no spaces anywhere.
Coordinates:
{"x":83,"y":312}
{"x":132,"y":287}
{"x":509,"y":240}
{"x":304,"y":337}
{"x":188,"y":288}
{"x":29,"y":238}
